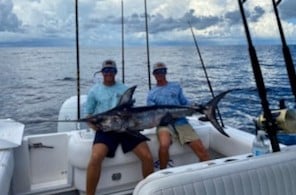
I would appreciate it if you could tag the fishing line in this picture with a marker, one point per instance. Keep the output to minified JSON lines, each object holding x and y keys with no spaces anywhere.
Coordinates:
{"x":204,"y":69}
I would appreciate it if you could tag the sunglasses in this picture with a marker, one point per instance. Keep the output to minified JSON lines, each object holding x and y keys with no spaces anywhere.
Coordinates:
{"x":109,"y":70}
{"x":160,"y":71}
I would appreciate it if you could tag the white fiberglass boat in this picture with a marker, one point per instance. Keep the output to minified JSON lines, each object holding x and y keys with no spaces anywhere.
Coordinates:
{"x":55,"y":163}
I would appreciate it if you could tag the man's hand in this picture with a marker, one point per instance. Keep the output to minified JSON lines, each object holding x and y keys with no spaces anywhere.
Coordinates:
{"x":91,"y":123}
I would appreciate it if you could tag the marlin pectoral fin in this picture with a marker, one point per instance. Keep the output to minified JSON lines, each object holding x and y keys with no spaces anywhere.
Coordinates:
{"x":210,"y":112}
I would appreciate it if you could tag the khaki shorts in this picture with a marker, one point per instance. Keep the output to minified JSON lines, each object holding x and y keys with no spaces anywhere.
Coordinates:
{"x":184,"y":133}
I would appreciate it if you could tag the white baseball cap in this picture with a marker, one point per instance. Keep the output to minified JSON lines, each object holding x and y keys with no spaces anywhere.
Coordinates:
{"x":109,"y":64}
{"x":159,"y":65}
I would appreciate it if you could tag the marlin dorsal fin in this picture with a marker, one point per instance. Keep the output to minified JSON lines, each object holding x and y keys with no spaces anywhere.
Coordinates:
{"x":127,"y":98}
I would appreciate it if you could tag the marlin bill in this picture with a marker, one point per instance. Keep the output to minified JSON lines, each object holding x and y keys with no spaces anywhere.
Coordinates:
{"x":125,"y":117}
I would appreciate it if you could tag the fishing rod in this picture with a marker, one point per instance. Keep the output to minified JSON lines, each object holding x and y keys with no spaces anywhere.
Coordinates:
{"x":204,"y":69}
{"x":122,"y":39}
{"x":147,"y":45}
{"x":286,"y":51}
{"x":270,"y":123}
{"x":77,"y":59}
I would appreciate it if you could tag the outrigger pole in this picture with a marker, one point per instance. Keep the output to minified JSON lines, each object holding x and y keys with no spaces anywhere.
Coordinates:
{"x":204,"y":69}
{"x":77,"y":60}
{"x":270,"y":123}
{"x":286,"y":51}
{"x":122,"y":39}
{"x":147,"y":45}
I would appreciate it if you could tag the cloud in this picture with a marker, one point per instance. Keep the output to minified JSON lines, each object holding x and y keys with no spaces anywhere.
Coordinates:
{"x":234,"y":17}
{"x":100,"y":21}
{"x":200,"y":22}
{"x":8,"y":20}
{"x":159,"y":23}
{"x":287,"y":9}
{"x":257,"y":14}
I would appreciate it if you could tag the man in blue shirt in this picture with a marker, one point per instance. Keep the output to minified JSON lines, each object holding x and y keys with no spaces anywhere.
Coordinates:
{"x":102,"y":97}
{"x":171,"y":93}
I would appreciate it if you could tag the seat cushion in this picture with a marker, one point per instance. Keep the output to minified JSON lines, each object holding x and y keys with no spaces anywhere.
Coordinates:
{"x":270,"y":174}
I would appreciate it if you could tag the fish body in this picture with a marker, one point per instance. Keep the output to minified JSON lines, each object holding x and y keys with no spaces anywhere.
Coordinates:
{"x":126,"y":117}
{"x":139,"y":118}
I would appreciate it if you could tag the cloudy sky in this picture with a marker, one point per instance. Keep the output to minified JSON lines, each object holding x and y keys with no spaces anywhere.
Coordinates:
{"x":52,"y":22}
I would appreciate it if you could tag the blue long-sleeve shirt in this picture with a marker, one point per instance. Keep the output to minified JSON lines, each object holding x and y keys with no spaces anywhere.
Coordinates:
{"x":101,"y":98}
{"x":169,"y":94}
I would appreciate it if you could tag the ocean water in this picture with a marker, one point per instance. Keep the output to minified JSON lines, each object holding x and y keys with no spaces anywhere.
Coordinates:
{"x":36,"y":81}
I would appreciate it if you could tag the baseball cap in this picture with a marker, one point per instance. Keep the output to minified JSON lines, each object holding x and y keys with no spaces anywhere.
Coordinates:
{"x":159,"y":65}
{"x":109,"y":64}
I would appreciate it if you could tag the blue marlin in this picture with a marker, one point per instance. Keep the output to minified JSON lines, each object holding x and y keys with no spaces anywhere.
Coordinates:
{"x":126,"y":117}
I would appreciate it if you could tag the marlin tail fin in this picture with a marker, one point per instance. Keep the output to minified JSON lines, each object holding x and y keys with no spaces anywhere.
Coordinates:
{"x":209,"y":110}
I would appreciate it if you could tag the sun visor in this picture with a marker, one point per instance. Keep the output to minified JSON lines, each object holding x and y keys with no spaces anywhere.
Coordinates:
{"x":11,"y":133}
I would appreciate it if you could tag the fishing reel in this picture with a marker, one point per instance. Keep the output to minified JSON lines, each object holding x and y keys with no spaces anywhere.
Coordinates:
{"x":285,"y":119}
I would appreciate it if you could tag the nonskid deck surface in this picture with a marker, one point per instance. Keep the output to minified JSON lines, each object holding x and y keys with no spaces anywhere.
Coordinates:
{"x":214,"y":154}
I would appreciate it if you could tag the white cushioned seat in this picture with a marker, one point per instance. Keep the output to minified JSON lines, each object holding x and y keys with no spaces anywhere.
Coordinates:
{"x":271,"y":174}
{"x":124,"y":170}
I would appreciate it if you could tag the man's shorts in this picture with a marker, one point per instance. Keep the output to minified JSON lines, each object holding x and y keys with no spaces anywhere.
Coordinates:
{"x":128,"y":140}
{"x":184,"y":133}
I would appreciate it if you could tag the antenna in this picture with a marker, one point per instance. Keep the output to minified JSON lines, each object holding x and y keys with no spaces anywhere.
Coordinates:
{"x":122,"y":39}
{"x":147,"y":44}
{"x":77,"y":60}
